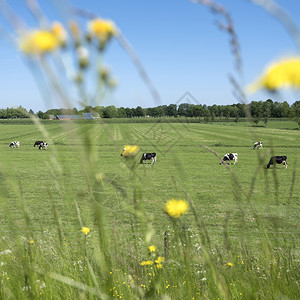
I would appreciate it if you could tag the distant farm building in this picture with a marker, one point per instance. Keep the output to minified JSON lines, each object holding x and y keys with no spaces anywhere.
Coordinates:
{"x":84,"y":116}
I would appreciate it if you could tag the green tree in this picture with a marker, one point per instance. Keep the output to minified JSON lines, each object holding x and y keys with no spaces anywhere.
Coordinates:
{"x":184,"y":109}
{"x":2,"y":114}
{"x":110,"y":112}
{"x":266,"y":111}
{"x":242,"y":110}
{"x":139,"y":112}
{"x":198,"y":111}
{"x":13,"y":113}
{"x":53,"y":112}
{"x":285,"y":109}
{"x":205,"y":113}
{"x":100,"y":111}
{"x":296,"y":112}
{"x":226,"y":109}
{"x":171,"y":110}
{"x":256,"y":111}
{"x":161,"y":109}
{"x":211,"y":113}
{"x":192,"y":112}
{"x":42,"y":115}
{"x":235,"y":113}
{"x":276,"y":110}
{"x":31,"y":112}
{"x":129,"y":112}
{"x":121,"y":112}
{"x":87,"y":109}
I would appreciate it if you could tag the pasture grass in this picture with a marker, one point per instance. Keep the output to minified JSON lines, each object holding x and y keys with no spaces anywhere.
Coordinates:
{"x":238,"y":240}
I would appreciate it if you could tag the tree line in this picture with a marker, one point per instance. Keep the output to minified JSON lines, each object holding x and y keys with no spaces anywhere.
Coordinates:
{"x":259,"y":111}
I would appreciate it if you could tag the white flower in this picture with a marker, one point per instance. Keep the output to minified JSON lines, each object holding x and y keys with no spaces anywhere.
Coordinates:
{"x":5,"y":252}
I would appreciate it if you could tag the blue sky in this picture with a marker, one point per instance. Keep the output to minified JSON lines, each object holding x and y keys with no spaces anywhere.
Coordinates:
{"x":178,"y":43}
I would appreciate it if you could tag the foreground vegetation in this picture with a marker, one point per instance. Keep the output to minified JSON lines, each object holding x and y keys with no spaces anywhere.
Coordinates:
{"x":80,"y":221}
{"x":238,"y":239}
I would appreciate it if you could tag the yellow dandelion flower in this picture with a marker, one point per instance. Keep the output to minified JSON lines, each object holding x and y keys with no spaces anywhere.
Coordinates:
{"x":159,"y":260}
{"x":147,"y":263}
{"x":282,"y":74}
{"x":60,"y":33}
{"x":229,"y":264}
{"x":85,"y":230}
{"x":130,"y":150}
{"x":175,"y":208}
{"x":38,"y":42}
{"x":102,"y":29}
{"x":31,"y":242}
{"x":152,"y":248}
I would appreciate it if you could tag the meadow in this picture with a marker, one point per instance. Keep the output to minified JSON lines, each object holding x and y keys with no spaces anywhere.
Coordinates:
{"x":239,"y":238}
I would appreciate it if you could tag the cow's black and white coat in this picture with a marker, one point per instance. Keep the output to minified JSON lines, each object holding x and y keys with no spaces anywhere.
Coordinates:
{"x":230,"y":157}
{"x":43,"y":146}
{"x":14,"y":145}
{"x":148,"y":156}
{"x":257,"y":145}
{"x":278,"y":160}
{"x":37,"y":143}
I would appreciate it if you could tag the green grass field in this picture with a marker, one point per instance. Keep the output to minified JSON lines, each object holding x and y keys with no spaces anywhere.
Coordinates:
{"x":244,"y":213}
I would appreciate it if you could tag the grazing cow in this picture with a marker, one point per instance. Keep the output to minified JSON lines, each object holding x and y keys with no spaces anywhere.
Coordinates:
{"x":43,"y":146}
{"x":14,"y":145}
{"x":229,"y":157}
{"x":37,"y":143}
{"x":148,"y":156}
{"x":257,"y":145}
{"x":277,"y":160}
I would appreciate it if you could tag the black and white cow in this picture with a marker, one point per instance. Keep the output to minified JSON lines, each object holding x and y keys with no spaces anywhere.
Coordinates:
{"x":230,"y":157}
{"x":37,"y":143}
{"x":257,"y":145}
{"x":43,"y":146}
{"x":148,"y":156}
{"x":277,"y":160}
{"x":14,"y":145}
